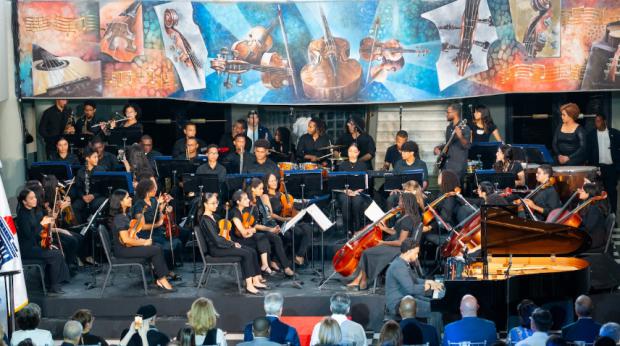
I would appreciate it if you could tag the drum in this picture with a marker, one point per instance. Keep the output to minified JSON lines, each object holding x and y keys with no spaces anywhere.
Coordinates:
{"x":287,"y":166}
{"x":308,"y":166}
{"x":473,"y":165}
{"x":570,"y":178}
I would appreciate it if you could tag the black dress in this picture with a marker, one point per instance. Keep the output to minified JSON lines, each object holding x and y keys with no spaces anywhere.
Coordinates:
{"x":572,"y":145}
{"x":478,"y":133}
{"x":352,"y":207}
{"x":275,"y":241}
{"x":302,"y":230}
{"x":593,"y":222}
{"x":257,"y":241}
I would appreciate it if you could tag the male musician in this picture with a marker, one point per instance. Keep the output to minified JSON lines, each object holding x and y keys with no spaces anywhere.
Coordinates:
{"x":356,"y":134}
{"x":236,"y":161}
{"x":146,"y":142}
{"x":63,"y":154}
{"x":84,"y":124}
{"x":392,"y":154}
{"x":191,"y":151}
{"x":309,"y":143}
{"x":212,"y":166}
{"x":458,"y":148}
{"x":546,"y":199}
{"x":410,"y":160}
{"x":85,"y":199}
{"x":106,"y":160}
{"x":603,"y":144}
{"x":227,"y":141}
{"x":189,"y":129}
{"x":262,"y":163}
{"x":54,"y":124}
{"x":255,"y":130}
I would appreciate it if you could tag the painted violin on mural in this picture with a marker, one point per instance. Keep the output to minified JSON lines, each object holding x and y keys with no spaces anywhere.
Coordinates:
{"x":534,"y":38}
{"x":330,"y":75}
{"x":120,"y":33}
{"x":182,"y":47}
{"x":257,"y":42}
{"x":275,"y":71}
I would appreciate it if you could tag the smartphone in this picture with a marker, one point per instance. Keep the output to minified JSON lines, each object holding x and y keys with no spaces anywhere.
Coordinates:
{"x":137,"y":322}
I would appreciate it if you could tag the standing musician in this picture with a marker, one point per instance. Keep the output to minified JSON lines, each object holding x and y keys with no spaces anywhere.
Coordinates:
{"x":85,"y":199}
{"x":458,"y":149}
{"x":55,"y":122}
{"x":268,"y":226}
{"x":190,"y":153}
{"x":283,"y":149}
{"x":126,"y":244}
{"x":218,"y":246}
{"x":365,"y":143}
{"x":132,"y":112}
{"x":547,"y":199}
{"x":310,"y":143}
{"x":594,"y":216}
{"x":84,"y":124}
{"x":106,"y":160}
{"x":30,"y":224}
{"x":255,"y":130}
{"x":375,"y":259}
{"x":505,"y":163}
{"x":63,"y":154}
{"x":212,"y":166}
{"x":352,"y":202}
{"x":302,"y":231}
{"x":569,"y":139}
{"x":482,"y":126}
{"x":236,"y":161}
{"x":604,"y":152}
{"x":227,"y":140}
{"x":189,"y":130}
{"x":393,"y":152}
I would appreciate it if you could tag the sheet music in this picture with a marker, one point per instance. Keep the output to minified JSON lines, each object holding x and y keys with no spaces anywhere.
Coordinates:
{"x":292,"y":222}
{"x":319,"y":217}
{"x":374,"y":212}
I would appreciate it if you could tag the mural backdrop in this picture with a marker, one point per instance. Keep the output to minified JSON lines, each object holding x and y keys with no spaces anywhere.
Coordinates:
{"x":316,"y":52}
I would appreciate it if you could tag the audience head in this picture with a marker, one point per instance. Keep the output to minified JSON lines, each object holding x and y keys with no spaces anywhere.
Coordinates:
{"x":273,"y":304}
{"x":584,"y":306}
{"x":86,"y":319}
{"x":390,"y":334}
{"x":29,"y":317}
{"x":148,"y":313}
{"x":72,"y":332}
{"x":604,"y":341}
{"x":469,"y":306}
{"x":261,"y":327}
{"x":340,"y":304}
{"x":611,"y":330}
{"x":556,"y":340}
{"x":542,"y":320}
{"x":329,"y":332}
{"x":186,"y":336}
{"x":407,"y":307}
{"x":409,"y":250}
{"x":202,"y":316}
{"x":525,"y":309}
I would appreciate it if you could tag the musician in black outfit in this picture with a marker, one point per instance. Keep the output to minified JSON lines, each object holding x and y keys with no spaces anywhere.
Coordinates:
{"x":106,"y":160}
{"x":482,"y":126}
{"x":352,"y":202}
{"x":212,"y":166}
{"x":85,"y":200}
{"x":410,"y":160}
{"x":29,"y":224}
{"x":446,"y":209}
{"x":392,"y":154}
{"x":218,"y":246}
{"x":84,"y":125}
{"x":569,"y":139}
{"x":283,"y":149}
{"x":190,"y":153}
{"x":126,"y":246}
{"x":63,"y":154}
{"x":594,"y":216}
{"x":130,"y":127}
{"x":53,"y":124}
{"x":189,"y":130}
{"x":356,"y":133}
{"x":505,"y":162}
{"x":239,"y":127}
{"x":458,"y":149}
{"x":546,"y":199}
{"x":236,"y":161}
{"x":309,"y":144}
{"x":261,"y":163}
{"x":604,"y":152}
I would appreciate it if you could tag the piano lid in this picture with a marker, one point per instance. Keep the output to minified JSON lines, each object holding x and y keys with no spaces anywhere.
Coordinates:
{"x":507,"y":233}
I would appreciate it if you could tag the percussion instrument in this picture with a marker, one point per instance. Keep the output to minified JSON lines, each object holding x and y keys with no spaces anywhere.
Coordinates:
{"x":473,"y":165}
{"x":570,"y":178}
{"x":287,"y":166}
{"x":308,"y":166}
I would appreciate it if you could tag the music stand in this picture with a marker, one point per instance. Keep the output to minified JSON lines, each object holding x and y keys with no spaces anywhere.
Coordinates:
{"x":165,"y":168}
{"x":500,"y":180}
{"x":347,"y":180}
{"x":485,"y":152}
{"x":106,"y":182}
{"x":302,"y":183}
{"x":60,"y":169}
{"x":238,"y":181}
{"x":121,"y":136}
{"x":396,"y":181}
{"x":198,"y":183}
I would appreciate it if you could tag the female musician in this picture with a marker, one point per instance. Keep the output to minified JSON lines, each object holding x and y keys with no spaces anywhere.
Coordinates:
{"x":486,"y":191}
{"x":302,"y":231}
{"x":268,"y":226}
{"x":220,"y":247}
{"x":448,"y":182}
{"x":132,"y":112}
{"x":126,"y":246}
{"x":145,"y":194}
{"x":357,"y":135}
{"x":85,"y":199}
{"x":505,"y":162}
{"x":282,"y":146}
{"x":137,"y":162}
{"x":244,"y":230}
{"x":594,"y":215}
{"x":63,"y":154}
{"x":352,"y":202}
{"x":310,"y":144}
{"x":377,"y":258}
{"x":545,"y":200}
{"x":30,"y":224}
{"x":482,"y":126}
{"x":569,"y":140}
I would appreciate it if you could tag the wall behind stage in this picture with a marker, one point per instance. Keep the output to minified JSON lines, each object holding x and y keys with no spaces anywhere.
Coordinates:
{"x":263,"y":53}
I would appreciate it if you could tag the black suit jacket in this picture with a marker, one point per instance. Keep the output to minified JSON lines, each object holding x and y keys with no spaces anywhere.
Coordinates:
{"x":592,"y":144}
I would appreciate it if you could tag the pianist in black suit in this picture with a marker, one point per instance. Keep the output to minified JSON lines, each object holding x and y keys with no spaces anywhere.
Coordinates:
{"x":604,"y":152}
{"x":594,"y":215}
{"x":353,"y":202}
{"x":547,"y":199}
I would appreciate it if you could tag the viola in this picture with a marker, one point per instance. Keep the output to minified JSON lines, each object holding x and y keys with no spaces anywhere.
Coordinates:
{"x":288,"y":205}
{"x":172,"y":229}
{"x":225,"y":225}
{"x":428,"y":215}
{"x":247,"y":219}
{"x":46,"y":236}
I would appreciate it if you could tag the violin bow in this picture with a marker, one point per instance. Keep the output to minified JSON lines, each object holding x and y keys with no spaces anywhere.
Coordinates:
{"x":154,"y":217}
{"x":372,"y":49}
{"x":53,"y":224}
{"x":286,"y":49}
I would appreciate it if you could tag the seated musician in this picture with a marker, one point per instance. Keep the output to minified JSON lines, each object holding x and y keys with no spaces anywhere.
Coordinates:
{"x":486,"y":195}
{"x":192,"y":148}
{"x":261,"y":163}
{"x":237,"y":160}
{"x":410,"y":160}
{"x":126,"y":243}
{"x":447,"y":209}
{"x":189,"y":131}
{"x":106,"y":160}
{"x":227,"y":141}
{"x":212,"y":166}
{"x":352,"y":202}
{"x":365,"y":143}
{"x":244,"y":231}
{"x":283,"y":149}
{"x":218,"y":246}
{"x":505,"y":163}
{"x":30,"y":224}
{"x":152,"y":208}
{"x":309,"y":144}
{"x":137,"y":162}
{"x":146,"y":142}
{"x":375,"y":259}
{"x":268,"y":226}
{"x":546,"y":199}
{"x":594,"y":215}
{"x":63,"y":154}
{"x":85,"y":200}
{"x":392,"y":154}
{"x":302,"y":231}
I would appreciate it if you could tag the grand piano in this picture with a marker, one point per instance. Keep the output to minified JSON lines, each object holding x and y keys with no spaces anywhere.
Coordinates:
{"x":524,"y":259}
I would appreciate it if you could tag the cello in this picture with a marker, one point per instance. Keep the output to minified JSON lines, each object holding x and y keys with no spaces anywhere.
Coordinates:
{"x":428,"y":215}
{"x":347,"y":258}
{"x":572,"y":218}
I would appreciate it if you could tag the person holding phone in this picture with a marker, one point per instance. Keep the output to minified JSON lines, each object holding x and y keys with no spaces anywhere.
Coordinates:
{"x":142,"y":331}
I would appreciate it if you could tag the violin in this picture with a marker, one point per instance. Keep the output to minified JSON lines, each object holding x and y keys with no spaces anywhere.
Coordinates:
{"x":225,"y":225}
{"x":428,"y":214}
{"x":247,"y":219}
{"x":135,"y":225}
{"x":572,"y":218}
{"x":257,"y":42}
{"x":68,"y":214}
{"x":275,"y":71}
{"x":391,"y":50}
{"x":288,"y":205}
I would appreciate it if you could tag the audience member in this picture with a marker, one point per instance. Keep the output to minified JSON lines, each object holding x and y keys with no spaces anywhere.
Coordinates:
{"x":186,"y":337}
{"x":556,"y":340}
{"x":260,"y":331}
{"x":280,"y":332}
{"x":144,"y":332}
{"x":605,"y":341}
{"x":611,"y":330}
{"x":329,"y":332}
{"x":352,"y":332}
{"x":414,"y":331}
{"x":202,"y":317}
{"x":390,"y":334}
{"x":470,"y":328}
{"x":86,"y":319}
{"x":71,"y":333}
{"x":516,"y":334}
{"x":585,"y":328}
{"x":28,"y":320}
{"x":26,"y":342}
{"x":541,"y":323}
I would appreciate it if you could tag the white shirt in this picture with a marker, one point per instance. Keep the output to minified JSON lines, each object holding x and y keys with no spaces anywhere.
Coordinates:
{"x":537,"y":339}
{"x":351,"y":331}
{"x":253,"y":136}
{"x":220,"y":339}
{"x":604,"y":143}
{"x":39,"y":337}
